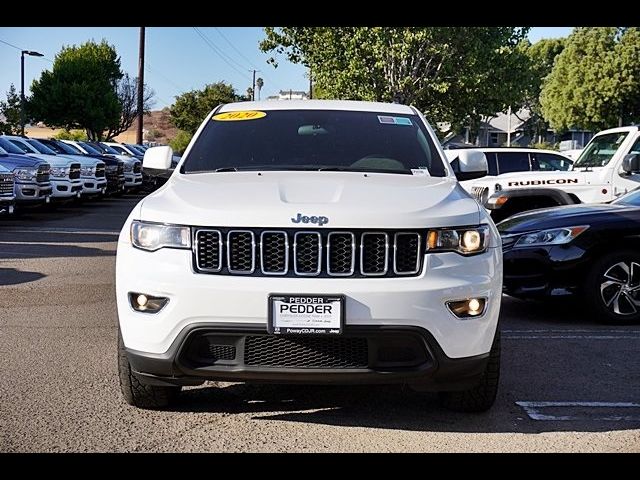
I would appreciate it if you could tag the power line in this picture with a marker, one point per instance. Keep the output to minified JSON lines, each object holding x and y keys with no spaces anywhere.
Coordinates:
{"x":220,"y":54}
{"x":234,"y":47}
{"x":22,"y":49}
{"x":181,"y":89}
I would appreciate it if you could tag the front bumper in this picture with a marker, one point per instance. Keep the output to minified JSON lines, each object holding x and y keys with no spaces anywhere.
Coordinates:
{"x":132,"y":180}
{"x":32,"y":193}
{"x":62,"y":189}
{"x":7,"y":204}
{"x":419,"y":301}
{"x":362,"y":354}
{"x":93,"y":185}
{"x":544,"y":271}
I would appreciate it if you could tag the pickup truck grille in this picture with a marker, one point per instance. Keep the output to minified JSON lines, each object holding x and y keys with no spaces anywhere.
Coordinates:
{"x":137,"y":167}
{"x":307,"y":253}
{"x":6,"y":184}
{"x":43,"y":173}
{"x":100,"y":170}
{"x":74,"y":171}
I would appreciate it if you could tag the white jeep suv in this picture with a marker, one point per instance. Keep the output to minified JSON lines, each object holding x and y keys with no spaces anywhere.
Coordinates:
{"x":313,"y":242}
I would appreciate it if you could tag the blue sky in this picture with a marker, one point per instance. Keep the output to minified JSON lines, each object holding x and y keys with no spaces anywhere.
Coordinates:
{"x":178,"y":59}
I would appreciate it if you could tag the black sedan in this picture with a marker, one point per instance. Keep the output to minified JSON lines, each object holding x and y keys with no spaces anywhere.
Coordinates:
{"x":587,"y":250}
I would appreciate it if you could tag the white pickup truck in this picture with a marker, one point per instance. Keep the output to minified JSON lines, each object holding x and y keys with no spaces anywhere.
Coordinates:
{"x":609,"y":166}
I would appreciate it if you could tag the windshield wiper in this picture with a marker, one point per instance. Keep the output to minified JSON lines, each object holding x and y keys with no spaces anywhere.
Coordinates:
{"x":226,"y":169}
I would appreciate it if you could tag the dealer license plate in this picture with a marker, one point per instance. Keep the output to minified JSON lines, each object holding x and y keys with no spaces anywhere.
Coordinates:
{"x":306,"y":314}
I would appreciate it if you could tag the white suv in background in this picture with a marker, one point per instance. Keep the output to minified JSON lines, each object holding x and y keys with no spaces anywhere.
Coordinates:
{"x":310,"y":241}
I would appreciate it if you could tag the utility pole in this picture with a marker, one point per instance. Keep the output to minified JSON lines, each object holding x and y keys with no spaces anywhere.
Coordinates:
{"x":22,"y":122}
{"x":140,"y":87}
{"x":310,"y":85}
{"x":253,"y":85}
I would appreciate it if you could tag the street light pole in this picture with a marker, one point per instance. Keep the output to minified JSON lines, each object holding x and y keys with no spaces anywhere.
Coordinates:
{"x":22,"y":54}
{"x":140,"y":88}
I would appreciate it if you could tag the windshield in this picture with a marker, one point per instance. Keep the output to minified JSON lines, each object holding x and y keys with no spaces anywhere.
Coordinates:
{"x":632,"y":198}
{"x":92,"y":150}
{"x":10,"y":147}
{"x":135,"y":149}
{"x":40,"y":147}
{"x":60,"y":147}
{"x":119,"y":149}
{"x":600,"y":150}
{"x":104,"y":148}
{"x":316,"y":140}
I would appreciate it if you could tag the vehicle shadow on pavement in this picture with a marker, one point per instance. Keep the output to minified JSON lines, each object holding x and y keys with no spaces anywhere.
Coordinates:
{"x":560,"y":312}
{"x":13,"y":251}
{"x":56,"y":237}
{"x":11,"y":276}
{"x":386,"y":407}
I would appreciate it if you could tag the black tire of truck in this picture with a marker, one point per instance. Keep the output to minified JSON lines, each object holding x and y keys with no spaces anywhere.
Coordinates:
{"x":614,"y":274}
{"x":137,"y":393}
{"x":481,"y":396}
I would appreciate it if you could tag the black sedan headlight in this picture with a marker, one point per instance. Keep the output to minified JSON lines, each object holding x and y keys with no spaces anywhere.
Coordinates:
{"x":552,"y":236}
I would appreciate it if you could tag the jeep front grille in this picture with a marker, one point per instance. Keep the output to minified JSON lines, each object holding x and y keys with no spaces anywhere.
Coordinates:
{"x":6,"y":184}
{"x":307,"y":253}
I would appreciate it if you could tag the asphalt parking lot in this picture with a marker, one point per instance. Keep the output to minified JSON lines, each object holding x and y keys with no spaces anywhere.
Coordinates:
{"x":568,"y":384}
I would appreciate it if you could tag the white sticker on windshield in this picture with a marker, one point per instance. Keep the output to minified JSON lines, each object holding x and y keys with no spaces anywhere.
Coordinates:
{"x":422,"y":171}
{"x":389,"y":120}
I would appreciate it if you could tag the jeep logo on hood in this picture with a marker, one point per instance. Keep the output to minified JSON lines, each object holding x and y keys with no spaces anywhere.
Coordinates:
{"x":320,"y":221}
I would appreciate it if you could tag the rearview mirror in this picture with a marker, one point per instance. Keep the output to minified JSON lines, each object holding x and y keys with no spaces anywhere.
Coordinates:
{"x":158,"y":158}
{"x":471,"y":165}
{"x":631,"y":163}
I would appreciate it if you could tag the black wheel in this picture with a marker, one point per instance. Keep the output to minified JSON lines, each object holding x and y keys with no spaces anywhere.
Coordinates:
{"x":480,"y":397}
{"x":137,"y":393}
{"x":612,"y":288}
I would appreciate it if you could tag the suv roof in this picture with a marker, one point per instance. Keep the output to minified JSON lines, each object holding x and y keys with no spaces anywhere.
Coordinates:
{"x":348,"y":105}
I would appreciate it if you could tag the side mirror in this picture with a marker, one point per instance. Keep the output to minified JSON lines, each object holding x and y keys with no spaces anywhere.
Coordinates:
{"x":471,"y":165}
{"x":158,"y":158}
{"x":631,"y":163}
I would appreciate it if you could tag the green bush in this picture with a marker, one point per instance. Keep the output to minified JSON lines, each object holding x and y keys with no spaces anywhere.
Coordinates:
{"x":77,"y":135}
{"x":544,"y":146}
{"x":180,"y":141}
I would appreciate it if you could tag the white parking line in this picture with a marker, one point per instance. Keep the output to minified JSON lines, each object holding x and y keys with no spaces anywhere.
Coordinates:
{"x":74,"y":231}
{"x":534,"y":411}
{"x":595,"y":334}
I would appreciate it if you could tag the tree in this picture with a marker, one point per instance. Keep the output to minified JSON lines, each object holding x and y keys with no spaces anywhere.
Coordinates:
{"x":249,"y":93}
{"x":191,"y":108}
{"x":127,"y":92}
{"x":10,"y":113}
{"x":80,"y":91}
{"x":542,"y":56}
{"x":180,"y":141}
{"x":454,"y":74}
{"x":595,"y":83}
{"x":259,"y":84}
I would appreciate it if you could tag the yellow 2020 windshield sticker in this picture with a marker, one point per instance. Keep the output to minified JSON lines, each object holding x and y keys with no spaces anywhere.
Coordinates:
{"x":239,"y":116}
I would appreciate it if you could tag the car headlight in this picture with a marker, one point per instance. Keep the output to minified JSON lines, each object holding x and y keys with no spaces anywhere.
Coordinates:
{"x":154,"y":236}
{"x":553,"y":236}
{"x":25,"y":174}
{"x":466,"y":241}
{"x":58,"y":172}
{"x":128,"y":167}
{"x":87,"y":171}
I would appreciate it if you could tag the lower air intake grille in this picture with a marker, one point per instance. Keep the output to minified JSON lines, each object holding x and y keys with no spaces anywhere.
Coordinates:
{"x":307,"y":352}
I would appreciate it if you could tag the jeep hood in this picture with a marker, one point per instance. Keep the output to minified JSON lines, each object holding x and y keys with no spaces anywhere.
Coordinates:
{"x":348,"y":199}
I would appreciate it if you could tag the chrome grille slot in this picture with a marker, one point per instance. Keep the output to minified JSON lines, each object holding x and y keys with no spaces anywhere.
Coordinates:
{"x":6,"y":184}
{"x":406,"y":253}
{"x":307,"y":253}
{"x":241,"y":251}
{"x":208,"y":250}
{"x":341,"y":253}
{"x":274,"y":252}
{"x":374,"y":253}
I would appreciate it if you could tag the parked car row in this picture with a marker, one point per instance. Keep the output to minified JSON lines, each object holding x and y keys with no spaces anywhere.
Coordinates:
{"x":40,"y":171}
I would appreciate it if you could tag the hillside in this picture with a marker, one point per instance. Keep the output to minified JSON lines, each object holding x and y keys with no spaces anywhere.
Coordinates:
{"x":157,"y":128}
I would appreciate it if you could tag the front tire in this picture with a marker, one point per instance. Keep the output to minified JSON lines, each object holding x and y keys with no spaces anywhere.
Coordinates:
{"x":137,"y":393}
{"x":481,"y":396}
{"x":612,"y":288}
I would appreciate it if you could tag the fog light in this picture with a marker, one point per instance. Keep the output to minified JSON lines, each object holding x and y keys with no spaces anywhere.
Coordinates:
{"x":471,"y":307}
{"x":142,"y":302}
